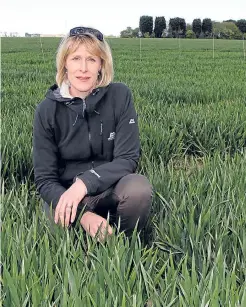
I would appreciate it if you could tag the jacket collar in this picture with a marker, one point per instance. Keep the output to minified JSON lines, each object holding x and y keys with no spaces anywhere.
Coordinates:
{"x":61,"y":94}
{"x":64,"y":90}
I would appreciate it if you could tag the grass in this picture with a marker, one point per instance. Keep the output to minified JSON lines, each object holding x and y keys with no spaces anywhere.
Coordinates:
{"x":193,"y":136}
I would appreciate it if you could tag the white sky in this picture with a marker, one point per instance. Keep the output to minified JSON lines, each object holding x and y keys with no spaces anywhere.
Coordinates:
{"x":108,"y":16}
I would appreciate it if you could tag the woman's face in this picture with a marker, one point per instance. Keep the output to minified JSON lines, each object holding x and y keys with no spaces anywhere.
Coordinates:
{"x":82,"y":71}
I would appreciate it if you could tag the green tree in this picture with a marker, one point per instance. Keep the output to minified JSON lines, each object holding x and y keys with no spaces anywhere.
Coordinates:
{"x":172,"y":27}
{"x":182,"y":27}
{"x":127,"y":33}
{"x":197,"y":27}
{"x":188,"y":27}
{"x":190,"y":34}
{"x":160,"y":26}
{"x":227,"y":30}
{"x":241,"y":24}
{"x":177,"y":27}
{"x":146,"y":24}
{"x":230,"y":20}
{"x":207,"y":27}
{"x":135,"y":32}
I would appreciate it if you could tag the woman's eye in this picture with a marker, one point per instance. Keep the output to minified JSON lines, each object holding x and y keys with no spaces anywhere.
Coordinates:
{"x":92,"y":59}
{"x":76,"y":58}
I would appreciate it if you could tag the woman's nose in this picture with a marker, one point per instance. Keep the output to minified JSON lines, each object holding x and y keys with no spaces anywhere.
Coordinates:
{"x":83,"y":65}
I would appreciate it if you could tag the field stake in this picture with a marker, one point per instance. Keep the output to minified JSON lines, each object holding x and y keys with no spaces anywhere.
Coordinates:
{"x":213,"y":45}
{"x":42,"y":48}
{"x":140,"y":48}
{"x":243,"y":49}
{"x":179,"y":47}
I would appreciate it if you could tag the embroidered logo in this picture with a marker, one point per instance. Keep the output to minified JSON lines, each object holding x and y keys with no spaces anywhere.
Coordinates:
{"x":111,"y":136}
{"x":95,"y":173}
{"x":132,"y":121}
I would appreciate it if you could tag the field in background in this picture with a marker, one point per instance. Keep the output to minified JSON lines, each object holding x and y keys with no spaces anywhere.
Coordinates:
{"x":191,"y":107}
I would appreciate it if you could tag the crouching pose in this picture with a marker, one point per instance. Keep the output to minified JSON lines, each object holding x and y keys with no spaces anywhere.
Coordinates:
{"x":86,"y":141}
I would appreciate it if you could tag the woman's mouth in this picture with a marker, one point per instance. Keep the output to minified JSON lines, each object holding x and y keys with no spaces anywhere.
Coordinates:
{"x":83,"y":78}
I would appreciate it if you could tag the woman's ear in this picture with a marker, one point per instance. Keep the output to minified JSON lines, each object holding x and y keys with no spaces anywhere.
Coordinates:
{"x":100,"y":68}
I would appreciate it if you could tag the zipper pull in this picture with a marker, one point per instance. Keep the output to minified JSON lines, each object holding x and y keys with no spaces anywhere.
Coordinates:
{"x":101,"y":131}
{"x":69,"y":102}
{"x":84,"y":108}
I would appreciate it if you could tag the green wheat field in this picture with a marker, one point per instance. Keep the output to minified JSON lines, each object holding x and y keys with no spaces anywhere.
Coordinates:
{"x":191,"y":104}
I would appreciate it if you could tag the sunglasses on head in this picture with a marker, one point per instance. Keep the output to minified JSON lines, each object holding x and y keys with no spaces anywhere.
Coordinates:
{"x":83,"y":30}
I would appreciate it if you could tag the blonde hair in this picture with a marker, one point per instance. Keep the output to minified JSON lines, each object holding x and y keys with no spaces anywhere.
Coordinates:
{"x":70,"y":44}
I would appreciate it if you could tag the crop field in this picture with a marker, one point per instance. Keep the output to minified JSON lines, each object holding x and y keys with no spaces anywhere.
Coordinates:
{"x":191,"y":105}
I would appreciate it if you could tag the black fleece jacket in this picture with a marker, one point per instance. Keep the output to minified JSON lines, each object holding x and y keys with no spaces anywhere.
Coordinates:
{"x":95,"y":139}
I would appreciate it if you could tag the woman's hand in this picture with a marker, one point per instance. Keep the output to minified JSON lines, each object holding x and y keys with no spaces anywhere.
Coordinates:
{"x":93,"y":224}
{"x":68,"y":203}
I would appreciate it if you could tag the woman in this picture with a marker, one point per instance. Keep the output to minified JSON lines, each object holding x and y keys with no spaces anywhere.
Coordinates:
{"x":86,"y":141}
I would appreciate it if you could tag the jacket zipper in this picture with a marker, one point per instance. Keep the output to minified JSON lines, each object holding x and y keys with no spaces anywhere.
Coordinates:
{"x":85,"y":115}
{"x":101,"y":134}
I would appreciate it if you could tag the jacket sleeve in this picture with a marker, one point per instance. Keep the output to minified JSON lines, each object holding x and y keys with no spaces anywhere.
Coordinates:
{"x":45,"y":161}
{"x":126,"y":152}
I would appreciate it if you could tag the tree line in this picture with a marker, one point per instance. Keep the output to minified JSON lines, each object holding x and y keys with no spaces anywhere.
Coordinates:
{"x":177,"y":27}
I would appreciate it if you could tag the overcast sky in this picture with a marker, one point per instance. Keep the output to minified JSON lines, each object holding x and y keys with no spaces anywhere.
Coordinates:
{"x":111,"y":17}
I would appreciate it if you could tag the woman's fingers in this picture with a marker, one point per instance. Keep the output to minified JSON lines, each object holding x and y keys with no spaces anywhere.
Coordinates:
{"x":73,"y":214}
{"x":110,"y":229}
{"x":97,"y":226}
{"x":62,"y":213}
{"x":65,"y":212}
{"x":68,"y":211}
{"x":103,"y":230}
{"x":57,"y":210}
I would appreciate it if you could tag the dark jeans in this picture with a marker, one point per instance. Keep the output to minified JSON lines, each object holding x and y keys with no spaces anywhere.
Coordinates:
{"x":127,"y":203}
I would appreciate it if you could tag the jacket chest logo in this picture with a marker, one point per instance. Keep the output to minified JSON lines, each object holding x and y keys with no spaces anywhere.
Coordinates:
{"x":111,"y":136}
